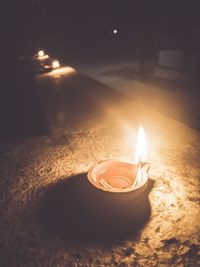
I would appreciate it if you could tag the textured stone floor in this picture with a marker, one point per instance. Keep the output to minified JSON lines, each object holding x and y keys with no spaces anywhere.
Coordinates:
{"x":89,"y":122}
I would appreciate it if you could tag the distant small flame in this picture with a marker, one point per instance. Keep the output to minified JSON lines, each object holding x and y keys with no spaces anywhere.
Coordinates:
{"x":41,"y":53}
{"x":55,"y":64}
{"x":141,"y":148}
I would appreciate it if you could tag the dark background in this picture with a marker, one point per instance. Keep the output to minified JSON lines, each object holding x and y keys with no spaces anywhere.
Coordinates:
{"x":83,"y":31}
{"x":84,"y":26}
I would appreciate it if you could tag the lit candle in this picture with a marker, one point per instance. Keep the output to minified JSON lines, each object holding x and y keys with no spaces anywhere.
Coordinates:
{"x":119,"y":177}
{"x":41,"y":53}
{"x":55,"y":64}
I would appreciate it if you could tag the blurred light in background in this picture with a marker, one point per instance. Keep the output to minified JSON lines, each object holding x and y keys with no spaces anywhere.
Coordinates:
{"x":40,"y":53}
{"x":55,"y":64}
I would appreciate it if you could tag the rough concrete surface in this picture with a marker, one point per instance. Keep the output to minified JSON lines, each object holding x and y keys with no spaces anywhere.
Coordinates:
{"x":89,"y":122}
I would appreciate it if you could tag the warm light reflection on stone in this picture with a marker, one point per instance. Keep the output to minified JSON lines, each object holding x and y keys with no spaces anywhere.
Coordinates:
{"x":43,"y":57}
{"x":57,"y":73}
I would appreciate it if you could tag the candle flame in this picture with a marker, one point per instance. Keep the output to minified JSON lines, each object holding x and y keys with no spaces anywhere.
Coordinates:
{"x":41,"y":53}
{"x":141,"y":148}
{"x":55,"y":64}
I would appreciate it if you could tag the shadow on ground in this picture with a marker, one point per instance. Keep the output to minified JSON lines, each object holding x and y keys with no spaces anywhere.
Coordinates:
{"x":77,"y":212}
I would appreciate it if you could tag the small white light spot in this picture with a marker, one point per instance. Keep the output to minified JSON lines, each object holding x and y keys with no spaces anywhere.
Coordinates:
{"x":41,"y":53}
{"x":115,"y":31}
{"x":55,"y":64}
